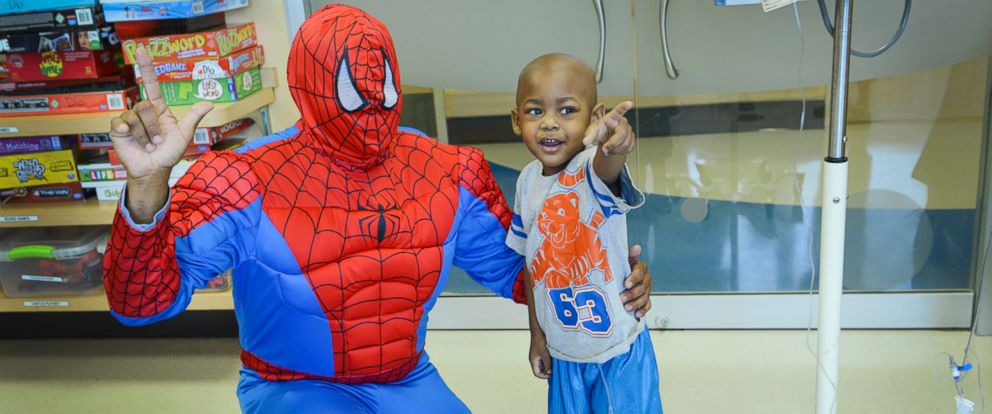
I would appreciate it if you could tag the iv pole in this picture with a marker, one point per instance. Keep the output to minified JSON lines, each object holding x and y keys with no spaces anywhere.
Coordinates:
{"x":833,"y":219}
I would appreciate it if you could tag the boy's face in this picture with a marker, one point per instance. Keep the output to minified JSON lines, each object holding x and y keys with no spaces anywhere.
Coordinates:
{"x":555,"y":105}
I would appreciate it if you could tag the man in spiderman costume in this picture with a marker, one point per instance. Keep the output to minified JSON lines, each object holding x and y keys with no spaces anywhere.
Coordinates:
{"x":340,"y":238}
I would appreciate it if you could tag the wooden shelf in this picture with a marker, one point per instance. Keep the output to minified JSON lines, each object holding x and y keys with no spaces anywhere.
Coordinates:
{"x":74,"y":213}
{"x":88,"y":123}
{"x":92,"y":211}
{"x":98,"y":302}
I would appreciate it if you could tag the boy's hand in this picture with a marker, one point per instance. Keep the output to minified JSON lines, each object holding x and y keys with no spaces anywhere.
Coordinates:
{"x":540,"y":358}
{"x":612,"y":132}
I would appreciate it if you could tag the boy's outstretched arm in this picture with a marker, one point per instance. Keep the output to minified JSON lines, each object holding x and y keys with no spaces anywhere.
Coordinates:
{"x":615,"y":138}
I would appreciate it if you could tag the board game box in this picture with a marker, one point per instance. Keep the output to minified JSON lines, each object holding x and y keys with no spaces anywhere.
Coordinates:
{"x":29,"y":67}
{"x":22,"y":145}
{"x":82,"y":17}
{"x":229,"y":89}
{"x":66,"y":40}
{"x":201,"y":136}
{"x":116,"y":82}
{"x":112,"y":101}
{"x":146,"y":28}
{"x":216,"y":68}
{"x":25,"y":6}
{"x":38,"y":168}
{"x":209,"y":44}
{"x":119,"y":11}
{"x":73,"y":191}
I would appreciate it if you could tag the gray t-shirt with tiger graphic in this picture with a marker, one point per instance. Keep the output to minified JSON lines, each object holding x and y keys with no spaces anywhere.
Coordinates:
{"x":573,"y":232}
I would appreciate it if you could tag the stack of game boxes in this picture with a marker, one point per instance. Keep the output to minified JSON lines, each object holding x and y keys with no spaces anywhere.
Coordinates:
{"x":66,"y":56}
{"x":196,"y":56}
{"x":106,"y":175}
{"x":58,"y":57}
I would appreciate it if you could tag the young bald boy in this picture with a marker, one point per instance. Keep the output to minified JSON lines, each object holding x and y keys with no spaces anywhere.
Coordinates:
{"x":570,"y":222}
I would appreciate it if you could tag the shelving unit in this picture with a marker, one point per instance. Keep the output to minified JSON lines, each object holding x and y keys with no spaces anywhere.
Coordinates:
{"x":92,"y":211}
{"x":98,"y":303}
{"x":85,"y":213}
{"x":18,"y":126}
{"x":95,"y":212}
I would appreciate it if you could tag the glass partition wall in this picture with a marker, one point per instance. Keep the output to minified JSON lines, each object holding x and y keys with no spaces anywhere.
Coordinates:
{"x":731,"y":148}
{"x":731,"y":134}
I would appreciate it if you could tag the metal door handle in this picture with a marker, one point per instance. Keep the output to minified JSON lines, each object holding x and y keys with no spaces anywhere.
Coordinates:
{"x":670,"y":69}
{"x":602,"y":39}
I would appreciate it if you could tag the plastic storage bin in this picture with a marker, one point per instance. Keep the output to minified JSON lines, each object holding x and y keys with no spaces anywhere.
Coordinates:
{"x":53,"y":261}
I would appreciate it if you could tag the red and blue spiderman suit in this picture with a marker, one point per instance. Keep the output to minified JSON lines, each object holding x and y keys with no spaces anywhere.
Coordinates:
{"x":340,"y":238}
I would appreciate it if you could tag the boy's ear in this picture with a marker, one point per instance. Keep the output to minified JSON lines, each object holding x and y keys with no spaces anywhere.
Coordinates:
{"x":598,"y":111}
{"x":513,"y":119}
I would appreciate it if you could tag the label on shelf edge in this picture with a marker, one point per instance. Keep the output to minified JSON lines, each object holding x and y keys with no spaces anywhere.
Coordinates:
{"x":46,"y":303}
{"x":14,"y":219}
{"x":8,"y":130}
{"x":36,"y":278}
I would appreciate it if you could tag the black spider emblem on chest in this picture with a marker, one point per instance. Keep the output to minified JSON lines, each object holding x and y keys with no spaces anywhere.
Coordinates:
{"x":382,"y":224}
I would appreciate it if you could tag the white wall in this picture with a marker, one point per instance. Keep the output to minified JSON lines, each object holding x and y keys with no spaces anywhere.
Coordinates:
{"x":481,"y":45}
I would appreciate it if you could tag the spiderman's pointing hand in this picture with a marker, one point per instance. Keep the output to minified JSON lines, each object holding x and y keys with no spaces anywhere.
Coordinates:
{"x":150,"y":140}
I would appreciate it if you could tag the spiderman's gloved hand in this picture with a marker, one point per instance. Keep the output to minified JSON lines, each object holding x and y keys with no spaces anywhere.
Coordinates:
{"x":150,"y":140}
{"x":637,"y":294}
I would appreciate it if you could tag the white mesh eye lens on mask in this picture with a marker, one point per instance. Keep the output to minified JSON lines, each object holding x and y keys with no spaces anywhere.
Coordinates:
{"x":389,"y":88}
{"x":348,"y":96}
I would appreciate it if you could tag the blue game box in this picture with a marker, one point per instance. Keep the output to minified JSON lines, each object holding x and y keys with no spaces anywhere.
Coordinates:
{"x":26,"y":6}
{"x":130,"y":10}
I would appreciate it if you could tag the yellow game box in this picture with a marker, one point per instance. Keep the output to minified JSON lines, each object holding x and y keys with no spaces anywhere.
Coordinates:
{"x":39,"y":168}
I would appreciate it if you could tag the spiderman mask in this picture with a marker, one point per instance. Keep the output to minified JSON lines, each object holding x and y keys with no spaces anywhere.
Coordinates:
{"x":345,"y":81}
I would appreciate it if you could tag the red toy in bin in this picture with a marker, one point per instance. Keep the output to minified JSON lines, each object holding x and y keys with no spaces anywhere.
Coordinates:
{"x":53,"y":261}
{"x":218,"y":284}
